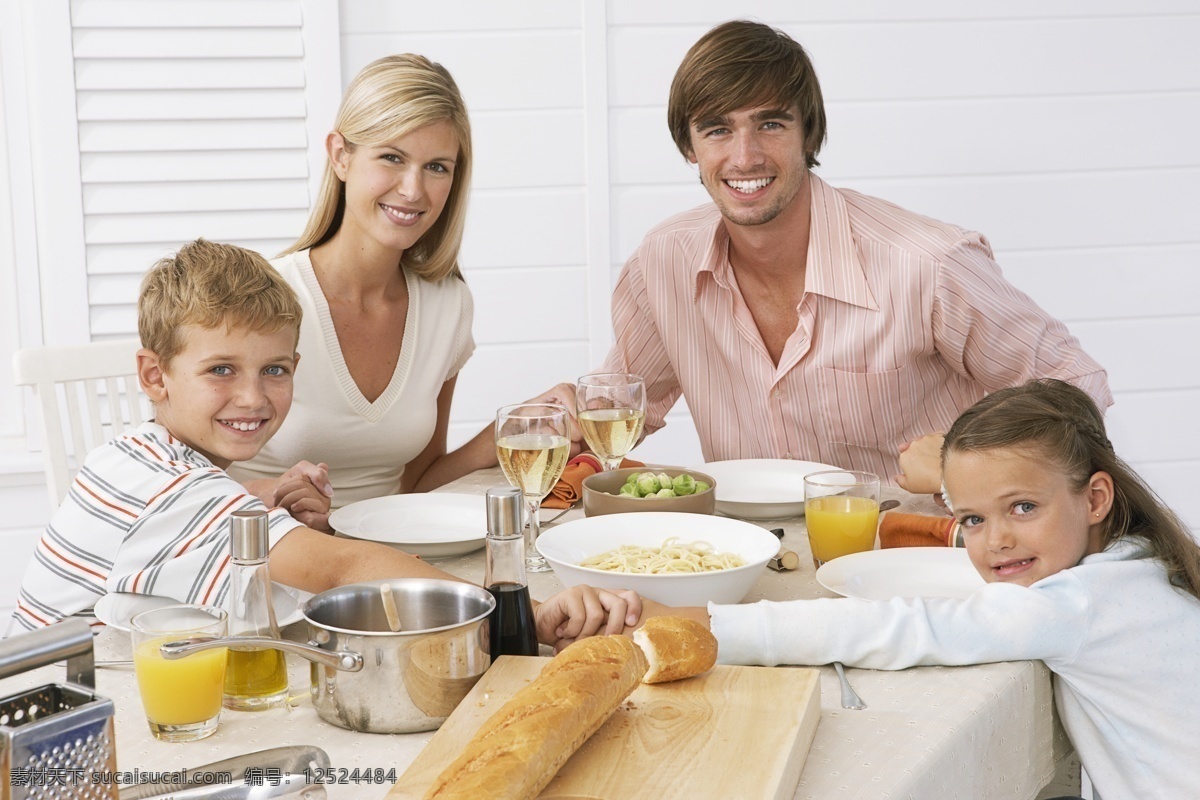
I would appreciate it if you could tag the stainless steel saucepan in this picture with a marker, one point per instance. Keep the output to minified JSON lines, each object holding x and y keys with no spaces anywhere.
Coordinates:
{"x":367,"y":677}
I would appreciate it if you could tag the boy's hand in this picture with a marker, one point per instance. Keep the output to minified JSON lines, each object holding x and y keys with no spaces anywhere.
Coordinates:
{"x":921,"y":465}
{"x":305,"y":493}
{"x":583,"y":611}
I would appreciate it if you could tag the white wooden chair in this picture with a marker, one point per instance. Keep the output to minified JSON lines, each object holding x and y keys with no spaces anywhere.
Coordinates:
{"x":87,"y":394}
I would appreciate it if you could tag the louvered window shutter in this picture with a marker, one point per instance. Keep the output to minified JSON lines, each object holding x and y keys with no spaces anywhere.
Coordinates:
{"x":195,"y":118}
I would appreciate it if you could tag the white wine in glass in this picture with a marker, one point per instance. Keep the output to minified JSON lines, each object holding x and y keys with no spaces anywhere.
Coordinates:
{"x":532,"y":445}
{"x":611,"y":412}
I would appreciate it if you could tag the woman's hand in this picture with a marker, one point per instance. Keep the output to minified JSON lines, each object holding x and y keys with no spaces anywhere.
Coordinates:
{"x":582,"y":611}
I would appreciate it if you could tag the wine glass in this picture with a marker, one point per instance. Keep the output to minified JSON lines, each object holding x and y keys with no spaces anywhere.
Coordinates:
{"x":611,"y":410}
{"x":533,"y":444}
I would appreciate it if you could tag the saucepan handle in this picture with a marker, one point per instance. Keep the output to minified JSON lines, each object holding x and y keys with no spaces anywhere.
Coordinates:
{"x":344,"y":660}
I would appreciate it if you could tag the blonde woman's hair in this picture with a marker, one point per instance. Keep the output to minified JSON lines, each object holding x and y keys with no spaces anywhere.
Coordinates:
{"x":207,"y":284}
{"x":389,"y":98}
{"x":1061,"y":424}
{"x":740,"y":64}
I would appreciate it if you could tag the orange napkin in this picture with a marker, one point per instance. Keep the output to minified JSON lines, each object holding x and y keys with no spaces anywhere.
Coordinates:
{"x":916,"y":530}
{"x":569,"y":488}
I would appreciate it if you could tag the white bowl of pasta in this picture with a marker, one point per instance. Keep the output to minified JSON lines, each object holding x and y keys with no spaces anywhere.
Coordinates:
{"x":705,"y":558}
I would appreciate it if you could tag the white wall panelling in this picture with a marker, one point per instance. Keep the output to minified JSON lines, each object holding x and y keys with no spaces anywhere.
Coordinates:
{"x":145,"y":125}
{"x":1061,"y":130}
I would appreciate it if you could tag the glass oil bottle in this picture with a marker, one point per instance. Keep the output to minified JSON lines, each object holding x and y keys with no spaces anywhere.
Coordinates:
{"x":255,"y":678}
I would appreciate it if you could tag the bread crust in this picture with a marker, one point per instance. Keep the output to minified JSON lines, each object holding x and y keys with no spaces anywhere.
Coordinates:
{"x":676,"y":648}
{"x":520,"y":748}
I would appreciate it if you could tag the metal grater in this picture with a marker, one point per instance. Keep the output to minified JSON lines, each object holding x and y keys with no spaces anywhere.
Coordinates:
{"x":56,"y":741}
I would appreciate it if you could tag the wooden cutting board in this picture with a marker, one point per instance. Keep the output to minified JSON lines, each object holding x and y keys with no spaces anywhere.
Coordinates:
{"x":732,"y":732}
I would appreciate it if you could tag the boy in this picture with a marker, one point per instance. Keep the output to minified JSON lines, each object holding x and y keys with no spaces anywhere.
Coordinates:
{"x":149,"y":511}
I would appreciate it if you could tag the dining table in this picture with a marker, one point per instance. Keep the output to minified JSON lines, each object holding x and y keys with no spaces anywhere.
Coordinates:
{"x":980,"y":732}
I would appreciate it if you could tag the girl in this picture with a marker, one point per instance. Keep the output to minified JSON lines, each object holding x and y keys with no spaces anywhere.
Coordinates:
{"x":1086,"y":570}
{"x":387,"y":316}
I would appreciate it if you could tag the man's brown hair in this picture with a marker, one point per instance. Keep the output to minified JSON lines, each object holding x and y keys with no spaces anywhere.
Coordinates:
{"x":741,"y":64}
{"x":209,"y":284}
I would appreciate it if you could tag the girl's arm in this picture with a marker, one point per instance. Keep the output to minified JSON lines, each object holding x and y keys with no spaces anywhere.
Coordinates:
{"x":314,"y":562}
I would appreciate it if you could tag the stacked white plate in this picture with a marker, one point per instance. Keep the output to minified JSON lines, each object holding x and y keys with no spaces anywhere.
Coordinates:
{"x":761,"y":488}
{"x":433,"y":525}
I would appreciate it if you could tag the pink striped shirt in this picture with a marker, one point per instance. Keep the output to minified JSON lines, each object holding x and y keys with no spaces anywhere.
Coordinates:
{"x":905,"y":322}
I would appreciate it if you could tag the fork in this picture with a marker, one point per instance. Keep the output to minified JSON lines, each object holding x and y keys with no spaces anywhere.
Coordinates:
{"x":560,"y":513}
{"x":850,"y":698}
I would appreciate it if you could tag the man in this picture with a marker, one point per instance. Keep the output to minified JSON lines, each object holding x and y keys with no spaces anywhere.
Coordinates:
{"x":804,"y":321}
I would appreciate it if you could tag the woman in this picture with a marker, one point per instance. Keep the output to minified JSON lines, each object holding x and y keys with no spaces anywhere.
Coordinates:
{"x":387,"y":315}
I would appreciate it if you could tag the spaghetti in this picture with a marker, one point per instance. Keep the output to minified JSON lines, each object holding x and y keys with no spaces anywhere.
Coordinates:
{"x":673,"y":557}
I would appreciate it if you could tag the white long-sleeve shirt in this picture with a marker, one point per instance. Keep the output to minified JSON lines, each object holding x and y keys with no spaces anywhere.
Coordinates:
{"x":1123,"y":643}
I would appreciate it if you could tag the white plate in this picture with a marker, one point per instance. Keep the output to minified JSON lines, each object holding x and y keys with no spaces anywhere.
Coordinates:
{"x":433,"y":525}
{"x":761,"y":488}
{"x":117,"y":608}
{"x":902,"y":572}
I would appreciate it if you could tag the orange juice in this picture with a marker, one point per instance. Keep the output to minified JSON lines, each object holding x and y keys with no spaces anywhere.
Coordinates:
{"x":181,"y":691}
{"x":840,"y":525}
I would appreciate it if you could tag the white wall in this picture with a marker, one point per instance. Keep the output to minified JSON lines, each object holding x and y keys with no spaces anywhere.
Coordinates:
{"x":1061,"y":130}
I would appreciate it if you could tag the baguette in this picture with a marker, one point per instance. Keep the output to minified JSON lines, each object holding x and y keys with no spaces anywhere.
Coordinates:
{"x":675,"y":648}
{"x":519,"y":749}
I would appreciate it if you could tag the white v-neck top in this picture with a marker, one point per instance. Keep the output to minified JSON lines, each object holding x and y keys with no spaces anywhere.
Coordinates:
{"x":366,"y":444}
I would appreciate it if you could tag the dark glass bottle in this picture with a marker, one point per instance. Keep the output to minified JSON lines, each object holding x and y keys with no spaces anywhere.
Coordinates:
{"x":511,"y":626}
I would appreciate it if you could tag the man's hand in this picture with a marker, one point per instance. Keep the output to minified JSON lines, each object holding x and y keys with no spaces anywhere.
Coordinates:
{"x":564,"y":395}
{"x":921,"y":465}
{"x":304,"y":492}
{"x":582,"y":611}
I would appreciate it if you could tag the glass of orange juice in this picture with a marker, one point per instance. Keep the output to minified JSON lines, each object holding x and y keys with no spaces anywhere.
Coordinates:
{"x":181,"y":697}
{"x":841,"y":512}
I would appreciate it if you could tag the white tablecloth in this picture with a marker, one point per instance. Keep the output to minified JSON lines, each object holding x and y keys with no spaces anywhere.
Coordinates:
{"x":987,"y":731}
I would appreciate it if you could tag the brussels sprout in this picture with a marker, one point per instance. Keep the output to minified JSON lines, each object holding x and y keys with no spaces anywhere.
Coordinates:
{"x":665,"y":493}
{"x":633,"y":478}
{"x":700,"y":486}
{"x":648,"y":484}
{"x":664,"y":480}
{"x":684,"y":484}
{"x":629,"y":490}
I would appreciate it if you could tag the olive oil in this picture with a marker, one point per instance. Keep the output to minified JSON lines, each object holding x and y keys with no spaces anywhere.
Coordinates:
{"x":256,"y":677}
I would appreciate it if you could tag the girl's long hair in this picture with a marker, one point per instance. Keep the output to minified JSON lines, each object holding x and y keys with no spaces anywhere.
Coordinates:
{"x":1062,"y":423}
{"x":387,"y":99}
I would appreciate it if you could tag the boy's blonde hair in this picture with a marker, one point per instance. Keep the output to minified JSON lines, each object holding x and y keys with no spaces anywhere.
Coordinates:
{"x":209,"y":284}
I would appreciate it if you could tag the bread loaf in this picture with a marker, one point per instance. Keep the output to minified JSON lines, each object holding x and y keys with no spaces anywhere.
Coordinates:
{"x":675,"y":648}
{"x":516,"y":752}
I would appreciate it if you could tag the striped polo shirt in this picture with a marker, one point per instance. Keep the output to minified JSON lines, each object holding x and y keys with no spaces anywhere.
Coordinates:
{"x":146,"y":514}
